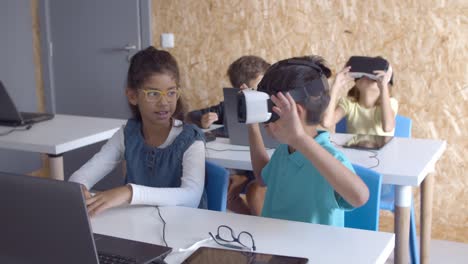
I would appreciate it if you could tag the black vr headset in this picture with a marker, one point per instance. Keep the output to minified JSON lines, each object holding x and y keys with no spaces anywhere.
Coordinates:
{"x":256,"y":106}
{"x":365,"y":66}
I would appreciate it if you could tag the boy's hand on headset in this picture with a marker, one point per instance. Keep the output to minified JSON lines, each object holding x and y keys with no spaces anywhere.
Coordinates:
{"x":208,"y":119}
{"x":108,"y":199}
{"x":383,"y":77}
{"x":288,"y":128}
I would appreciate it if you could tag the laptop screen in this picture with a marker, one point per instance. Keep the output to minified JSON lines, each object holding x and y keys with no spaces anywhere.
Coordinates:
{"x":8,"y":111}
{"x":47,"y":222}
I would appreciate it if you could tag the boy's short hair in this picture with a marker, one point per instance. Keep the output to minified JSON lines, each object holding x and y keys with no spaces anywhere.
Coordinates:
{"x":245,"y":69}
{"x":299,"y":72}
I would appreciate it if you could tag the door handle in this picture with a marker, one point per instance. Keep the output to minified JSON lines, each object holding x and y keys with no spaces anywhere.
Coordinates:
{"x":129,"y":47}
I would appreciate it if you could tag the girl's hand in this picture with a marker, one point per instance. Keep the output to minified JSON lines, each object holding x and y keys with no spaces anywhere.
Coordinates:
{"x":208,"y":119}
{"x":342,"y":79}
{"x":86,"y":193}
{"x":108,"y":199}
{"x":383,"y":77}
{"x":288,"y":128}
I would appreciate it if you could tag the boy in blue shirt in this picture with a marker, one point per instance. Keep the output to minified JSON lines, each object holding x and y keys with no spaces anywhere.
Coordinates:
{"x":307,"y":179}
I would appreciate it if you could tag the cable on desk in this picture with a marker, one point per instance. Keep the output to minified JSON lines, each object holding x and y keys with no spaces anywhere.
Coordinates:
{"x":373,"y":156}
{"x":164,"y":226}
{"x":16,"y":128}
{"x":221,"y":150}
{"x":336,"y":144}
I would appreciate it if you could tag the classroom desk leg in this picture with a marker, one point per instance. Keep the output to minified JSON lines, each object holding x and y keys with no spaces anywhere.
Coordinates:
{"x":402,"y":223}
{"x":56,"y":167}
{"x":427,"y":189}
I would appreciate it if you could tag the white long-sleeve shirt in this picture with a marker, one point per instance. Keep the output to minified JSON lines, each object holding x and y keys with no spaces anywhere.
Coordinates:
{"x":112,"y":154}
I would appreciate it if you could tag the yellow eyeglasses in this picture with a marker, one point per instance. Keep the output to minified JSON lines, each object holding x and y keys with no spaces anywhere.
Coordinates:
{"x":153,"y":95}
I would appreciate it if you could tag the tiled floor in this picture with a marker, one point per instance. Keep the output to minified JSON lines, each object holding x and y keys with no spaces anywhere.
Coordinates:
{"x":445,"y":252}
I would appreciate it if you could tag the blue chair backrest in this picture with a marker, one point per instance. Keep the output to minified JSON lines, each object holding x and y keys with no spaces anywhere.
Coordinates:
{"x":216,"y":183}
{"x":341,"y":126}
{"x":367,"y":216}
{"x":403,"y":126}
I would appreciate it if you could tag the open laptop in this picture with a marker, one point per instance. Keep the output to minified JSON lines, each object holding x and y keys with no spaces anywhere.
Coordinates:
{"x":46,"y":221}
{"x":238,"y":132}
{"x":10,"y":116}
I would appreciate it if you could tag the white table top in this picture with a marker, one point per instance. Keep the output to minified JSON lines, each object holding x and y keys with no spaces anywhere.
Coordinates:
{"x":61,"y":134}
{"x":403,"y":161}
{"x":186,"y":226}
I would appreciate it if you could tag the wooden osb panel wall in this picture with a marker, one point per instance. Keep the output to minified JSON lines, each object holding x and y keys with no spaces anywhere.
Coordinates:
{"x":426,"y":42}
{"x":37,"y":55}
{"x":38,"y":76}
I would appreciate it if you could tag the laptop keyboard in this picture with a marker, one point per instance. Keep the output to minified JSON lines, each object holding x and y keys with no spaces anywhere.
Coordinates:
{"x":105,"y":258}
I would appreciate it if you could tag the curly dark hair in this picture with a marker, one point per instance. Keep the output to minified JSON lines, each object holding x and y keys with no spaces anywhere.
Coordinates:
{"x":301,"y":72}
{"x":245,"y":69}
{"x":151,"y":61}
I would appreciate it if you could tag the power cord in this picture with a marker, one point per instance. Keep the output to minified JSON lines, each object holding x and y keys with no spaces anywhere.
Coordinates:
{"x":240,"y":150}
{"x":221,"y":150}
{"x":16,"y":128}
{"x":160,"y":260}
{"x":374,"y":155}
{"x":164,"y":225}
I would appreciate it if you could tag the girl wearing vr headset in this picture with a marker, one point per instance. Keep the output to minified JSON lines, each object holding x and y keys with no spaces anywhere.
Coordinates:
{"x":164,"y":158}
{"x":307,"y":179}
{"x":368,"y":107}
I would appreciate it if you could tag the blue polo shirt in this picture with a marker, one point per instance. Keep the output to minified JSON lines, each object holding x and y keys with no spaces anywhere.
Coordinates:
{"x":296,"y":190}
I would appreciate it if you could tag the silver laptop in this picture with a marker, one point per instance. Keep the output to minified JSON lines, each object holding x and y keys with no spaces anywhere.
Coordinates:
{"x":46,"y":221}
{"x":238,"y":132}
{"x":10,"y":116}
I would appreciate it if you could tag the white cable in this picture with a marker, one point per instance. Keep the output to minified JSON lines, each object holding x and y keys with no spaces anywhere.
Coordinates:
{"x":194,"y":245}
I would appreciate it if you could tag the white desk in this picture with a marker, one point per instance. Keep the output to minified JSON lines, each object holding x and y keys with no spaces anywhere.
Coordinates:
{"x":185,"y":226}
{"x":61,"y":134}
{"x":404,"y":162}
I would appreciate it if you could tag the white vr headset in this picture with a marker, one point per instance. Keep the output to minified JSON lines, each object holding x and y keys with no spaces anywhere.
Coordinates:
{"x":256,"y":107}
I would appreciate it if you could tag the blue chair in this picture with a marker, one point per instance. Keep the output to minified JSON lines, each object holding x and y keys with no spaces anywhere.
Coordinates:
{"x":341,"y":126}
{"x":216,"y":185}
{"x":367,"y":216}
{"x":403,"y":127}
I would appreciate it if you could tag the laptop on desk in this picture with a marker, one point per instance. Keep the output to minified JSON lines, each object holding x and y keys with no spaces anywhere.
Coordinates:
{"x":10,"y":116}
{"x":238,"y":132}
{"x":46,"y":221}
